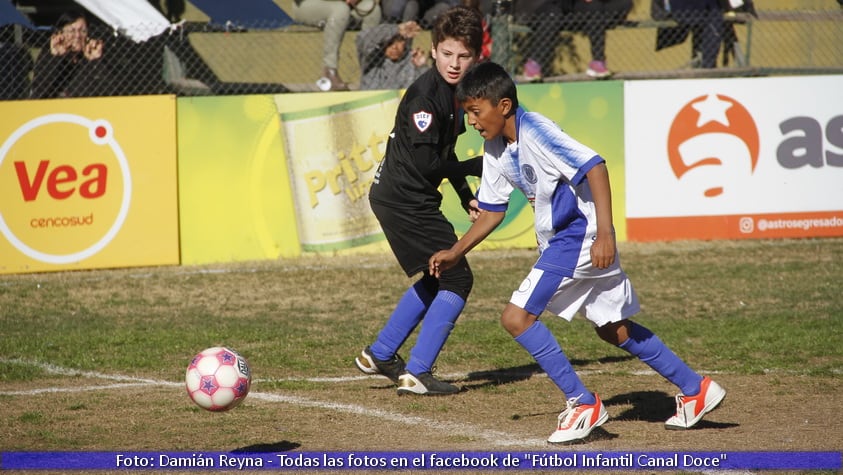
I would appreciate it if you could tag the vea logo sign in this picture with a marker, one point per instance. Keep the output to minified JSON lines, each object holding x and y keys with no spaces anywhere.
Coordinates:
{"x":67,"y":187}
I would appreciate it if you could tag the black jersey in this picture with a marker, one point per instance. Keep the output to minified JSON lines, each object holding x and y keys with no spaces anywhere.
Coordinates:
{"x":420,"y":149}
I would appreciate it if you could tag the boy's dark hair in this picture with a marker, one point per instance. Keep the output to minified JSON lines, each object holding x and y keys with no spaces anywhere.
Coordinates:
{"x":487,"y":81}
{"x":462,"y":24}
{"x":394,"y":39}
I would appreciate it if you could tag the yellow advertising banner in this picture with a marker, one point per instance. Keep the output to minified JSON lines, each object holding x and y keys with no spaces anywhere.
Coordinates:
{"x":234,"y":192}
{"x":88,"y":183}
{"x":333,"y":151}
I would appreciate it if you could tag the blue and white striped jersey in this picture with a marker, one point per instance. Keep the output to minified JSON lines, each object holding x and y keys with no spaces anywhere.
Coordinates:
{"x":549,"y":167}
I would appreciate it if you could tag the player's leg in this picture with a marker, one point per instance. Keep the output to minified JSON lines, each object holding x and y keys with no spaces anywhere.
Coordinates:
{"x":381,"y":357}
{"x":403,"y":231}
{"x":650,"y":349}
{"x":414,"y":237}
{"x":609,"y":309}
{"x":699,"y":395}
{"x":454,"y":287}
{"x":584,"y":409}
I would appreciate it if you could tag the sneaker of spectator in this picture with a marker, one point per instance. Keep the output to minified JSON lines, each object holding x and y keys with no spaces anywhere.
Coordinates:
{"x":532,"y":71}
{"x":334,"y":18}
{"x":598,"y":70}
{"x":331,"y":80}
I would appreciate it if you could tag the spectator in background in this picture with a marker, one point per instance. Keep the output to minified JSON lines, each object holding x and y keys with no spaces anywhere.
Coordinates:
{"x":544,"y":18}
{"x":16,"y":65}
{"x":547,"y":17}
{"x":594,"y":18}
{"x":398,"y":11}
{"x":387,"y":58}
{"x":424,"y":12}
{"x":172,"y":9}
{"x":703,"y":20}
{"x":71,"y":65}
{"x":486,"y":50}
{"x":432,"y":12}
{"x":333,"y":16}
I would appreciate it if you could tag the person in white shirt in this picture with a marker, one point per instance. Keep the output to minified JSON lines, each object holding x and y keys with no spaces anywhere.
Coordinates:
{"x":578,"y":269}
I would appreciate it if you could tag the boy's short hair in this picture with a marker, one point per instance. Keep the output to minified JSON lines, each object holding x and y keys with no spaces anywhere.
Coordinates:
{"x":490,"y":81}
{"x":462,"y":24}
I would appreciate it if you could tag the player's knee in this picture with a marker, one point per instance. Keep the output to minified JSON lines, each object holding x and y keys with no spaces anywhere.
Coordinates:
{"x":516,"y":320}
{"x":458,"y":280}
{"x":614,"y":333}
{"x":427,"y":286}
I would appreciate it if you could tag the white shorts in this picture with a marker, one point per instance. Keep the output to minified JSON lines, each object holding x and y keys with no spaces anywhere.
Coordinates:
{"x":600,"y":300}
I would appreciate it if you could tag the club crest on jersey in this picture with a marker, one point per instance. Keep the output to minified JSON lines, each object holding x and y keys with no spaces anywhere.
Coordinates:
{"x":422,"y":120}
{"x":529,"y":174}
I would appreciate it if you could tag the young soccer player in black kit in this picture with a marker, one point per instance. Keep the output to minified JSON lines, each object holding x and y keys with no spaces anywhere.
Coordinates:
{"x":405,"y":199}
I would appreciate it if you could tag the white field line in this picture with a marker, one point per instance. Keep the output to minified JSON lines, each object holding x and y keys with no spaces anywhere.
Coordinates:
{"x":495,"y":438}
{"x":321,"y":379}
{"x":452,"y":377}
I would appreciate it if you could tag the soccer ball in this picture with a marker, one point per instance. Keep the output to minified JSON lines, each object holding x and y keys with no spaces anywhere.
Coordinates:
{"x":218,"y":379}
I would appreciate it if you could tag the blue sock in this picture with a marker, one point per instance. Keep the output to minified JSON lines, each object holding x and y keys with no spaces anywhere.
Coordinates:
{"x":652,"y":351}
{"x":540,"y":343}
{"x":404,"y":319}
{"x":438,"y":323}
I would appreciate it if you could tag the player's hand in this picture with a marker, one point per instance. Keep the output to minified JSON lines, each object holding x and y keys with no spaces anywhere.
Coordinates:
{"x":473,"y":210}
{"x":441,"y":261}
{"x":603,"y":250}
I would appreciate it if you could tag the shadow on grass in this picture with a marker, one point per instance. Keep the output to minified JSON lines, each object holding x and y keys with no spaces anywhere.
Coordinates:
{"x":598,"y":434}
{"x":655,"y":406}
{"x":495,"y":377}
{"x":648,"y":406}
{"x":282,"y":446}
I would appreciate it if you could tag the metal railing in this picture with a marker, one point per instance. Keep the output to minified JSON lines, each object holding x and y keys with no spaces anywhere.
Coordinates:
{"x":203,"y":59}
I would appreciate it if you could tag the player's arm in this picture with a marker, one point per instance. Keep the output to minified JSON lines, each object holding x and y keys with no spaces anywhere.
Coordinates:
{"x":486,"y":222}
{"x":603,"y":248}
{"x":456,"y":171}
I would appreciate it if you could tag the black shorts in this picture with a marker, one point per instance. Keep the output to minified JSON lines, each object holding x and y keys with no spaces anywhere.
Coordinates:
{"x":415,"y":235}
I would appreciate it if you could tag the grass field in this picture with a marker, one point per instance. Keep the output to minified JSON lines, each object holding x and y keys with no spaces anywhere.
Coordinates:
{"x":94,"y":360}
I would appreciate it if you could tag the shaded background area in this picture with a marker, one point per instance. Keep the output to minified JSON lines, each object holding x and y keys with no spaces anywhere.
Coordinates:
{"x":257,"y":48}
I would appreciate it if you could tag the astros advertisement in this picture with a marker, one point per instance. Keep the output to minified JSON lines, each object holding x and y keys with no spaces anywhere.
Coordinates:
{"x":734,"y":158}
{"x":87,"y":183}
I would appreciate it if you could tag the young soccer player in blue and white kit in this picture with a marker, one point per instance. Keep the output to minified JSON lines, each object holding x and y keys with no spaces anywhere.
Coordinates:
{"x":578,"y":269}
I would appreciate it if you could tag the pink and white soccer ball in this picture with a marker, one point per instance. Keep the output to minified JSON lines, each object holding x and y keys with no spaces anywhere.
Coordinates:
{"x":218,"y":379}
